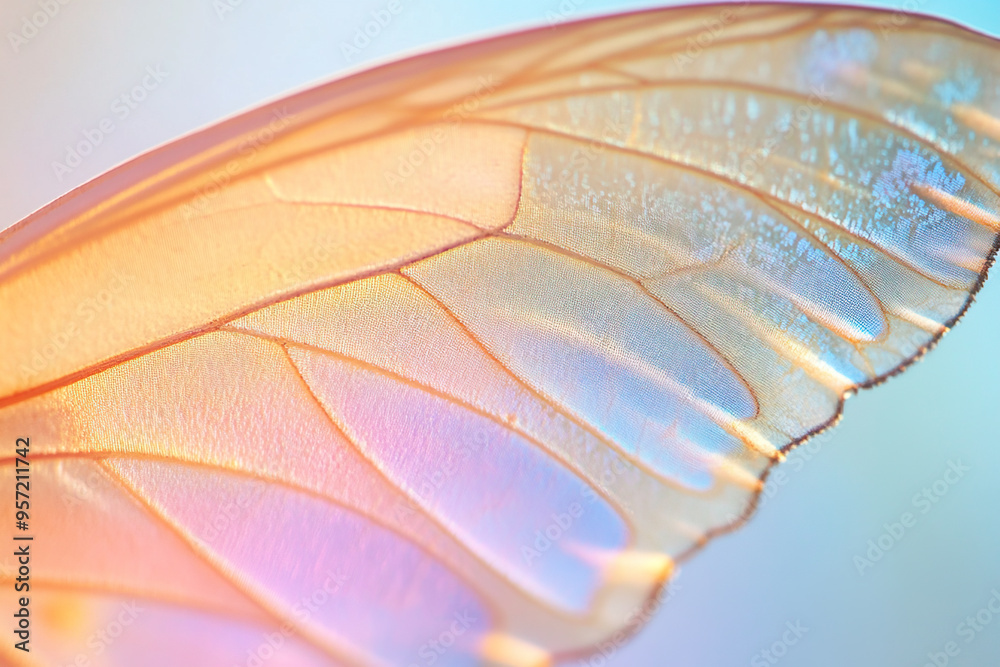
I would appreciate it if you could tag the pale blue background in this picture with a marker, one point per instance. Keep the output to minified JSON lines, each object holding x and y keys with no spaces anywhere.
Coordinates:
{"x":794,"y":561}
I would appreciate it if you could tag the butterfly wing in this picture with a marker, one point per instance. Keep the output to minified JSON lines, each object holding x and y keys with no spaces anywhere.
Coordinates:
{"x":452,"y":359}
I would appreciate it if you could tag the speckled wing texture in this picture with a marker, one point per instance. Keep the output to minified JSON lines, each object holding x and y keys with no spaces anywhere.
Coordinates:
{"x":450,"y":361}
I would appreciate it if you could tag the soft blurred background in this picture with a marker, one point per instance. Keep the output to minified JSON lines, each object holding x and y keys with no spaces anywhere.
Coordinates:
{"x":794,"y":565}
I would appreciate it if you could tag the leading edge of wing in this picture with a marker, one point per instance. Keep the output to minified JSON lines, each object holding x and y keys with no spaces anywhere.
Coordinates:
{"x":176,"y":169}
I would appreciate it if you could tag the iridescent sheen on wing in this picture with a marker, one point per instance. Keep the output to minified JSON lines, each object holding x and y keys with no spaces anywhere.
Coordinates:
{"x":485,"y":340}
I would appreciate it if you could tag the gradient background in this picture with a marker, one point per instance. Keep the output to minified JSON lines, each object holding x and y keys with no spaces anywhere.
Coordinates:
{"x":794,"y":561}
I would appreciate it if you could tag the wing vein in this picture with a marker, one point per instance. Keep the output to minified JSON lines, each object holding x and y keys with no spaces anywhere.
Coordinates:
{"x":189,"y":541}
{"x":792,"y":95}
{"x":722,"y":178}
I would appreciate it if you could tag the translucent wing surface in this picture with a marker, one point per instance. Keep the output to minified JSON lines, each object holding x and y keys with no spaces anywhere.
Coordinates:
{"x":452,"y":359}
